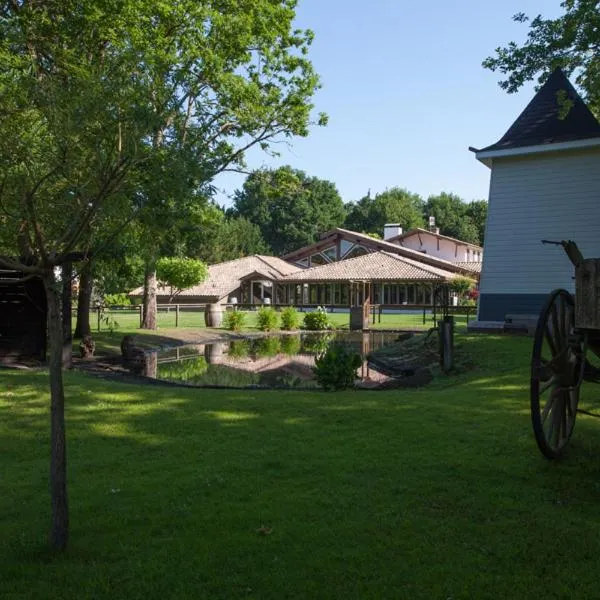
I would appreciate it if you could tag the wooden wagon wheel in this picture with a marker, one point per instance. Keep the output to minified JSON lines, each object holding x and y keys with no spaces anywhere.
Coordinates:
{"x":557,"y":364}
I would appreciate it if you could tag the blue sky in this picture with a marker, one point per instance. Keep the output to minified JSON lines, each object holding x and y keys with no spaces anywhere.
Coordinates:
{"x":405,"y":93}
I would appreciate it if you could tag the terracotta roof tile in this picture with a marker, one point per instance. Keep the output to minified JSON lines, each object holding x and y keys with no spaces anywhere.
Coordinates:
{"x":224,"y":278}
{"x":375,"y":266}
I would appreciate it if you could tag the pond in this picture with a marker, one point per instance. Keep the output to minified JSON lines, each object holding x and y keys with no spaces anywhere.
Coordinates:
{"x":276,"y":361}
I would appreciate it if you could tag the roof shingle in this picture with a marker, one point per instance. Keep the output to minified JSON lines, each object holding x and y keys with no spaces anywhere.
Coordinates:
{"x":375,"y":266}
{"x":541,"y":122}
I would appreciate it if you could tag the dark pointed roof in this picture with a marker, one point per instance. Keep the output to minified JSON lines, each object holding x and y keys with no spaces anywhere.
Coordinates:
{"x":541,"y":122}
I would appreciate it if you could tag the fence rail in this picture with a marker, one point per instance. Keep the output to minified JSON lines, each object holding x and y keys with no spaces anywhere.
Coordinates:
{"x":192,"y":315}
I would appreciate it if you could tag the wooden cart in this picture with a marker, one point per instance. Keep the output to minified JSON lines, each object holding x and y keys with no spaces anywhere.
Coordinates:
{"x":566,"y":330}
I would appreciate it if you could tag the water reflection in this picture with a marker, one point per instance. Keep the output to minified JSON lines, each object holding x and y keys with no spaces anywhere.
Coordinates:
{"x":283,"y":361}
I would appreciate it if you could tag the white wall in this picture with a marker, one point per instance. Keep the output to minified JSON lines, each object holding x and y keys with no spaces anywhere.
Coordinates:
{"x":448,"y":250}
{"x":550,"y":196}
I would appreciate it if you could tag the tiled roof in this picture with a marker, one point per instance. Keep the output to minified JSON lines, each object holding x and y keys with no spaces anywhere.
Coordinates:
{"x":541,"y":122}
{"x":375,"y":266}
{"x":224,"y":278}
{"x":418,"y":230}
{"x":377,"y":244}
{"x":474,"y":267}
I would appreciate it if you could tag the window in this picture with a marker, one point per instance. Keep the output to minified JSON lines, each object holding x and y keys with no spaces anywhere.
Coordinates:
{"x":330,"y":254}
{"x":356,"y":251}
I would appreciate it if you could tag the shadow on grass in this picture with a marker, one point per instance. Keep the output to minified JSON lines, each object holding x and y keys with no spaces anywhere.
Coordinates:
{"x":171,"y":488}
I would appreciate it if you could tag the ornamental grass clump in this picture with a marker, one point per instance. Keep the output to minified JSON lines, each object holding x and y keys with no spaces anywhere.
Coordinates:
{"x":234,"y":320}
{"x":317,"y":320}
{"x":290,"y":319}
{"x":266,"y":318}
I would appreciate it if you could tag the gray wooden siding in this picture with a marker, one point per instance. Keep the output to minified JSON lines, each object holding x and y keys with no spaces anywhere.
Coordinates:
{"x":555,"y":196}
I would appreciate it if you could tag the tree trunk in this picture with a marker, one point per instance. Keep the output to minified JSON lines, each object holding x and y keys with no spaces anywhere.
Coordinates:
{"x":84,"y":301}
{"x":67,"y":300}
{"x":58,"y":447}
{"x":150,"y":309}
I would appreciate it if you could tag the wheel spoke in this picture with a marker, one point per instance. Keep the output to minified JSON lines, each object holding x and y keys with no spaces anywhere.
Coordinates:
{"x":558,"y":353}
{"x":550,"y":340}
{"x":556,"y":331}
{"x":552,"y":381}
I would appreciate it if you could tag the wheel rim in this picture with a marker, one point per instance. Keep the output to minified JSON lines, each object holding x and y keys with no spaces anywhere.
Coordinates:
{"x":557,"y":363}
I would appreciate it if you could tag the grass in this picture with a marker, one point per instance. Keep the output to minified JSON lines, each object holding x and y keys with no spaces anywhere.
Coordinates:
{"x":432,"y":493}
{"x":129,"y":320}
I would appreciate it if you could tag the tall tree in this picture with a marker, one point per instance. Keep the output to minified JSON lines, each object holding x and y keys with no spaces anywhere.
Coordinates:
{"x":98,"y":103}
{"x":476,"y":211}
{"x":570,"y":41}
{"x":451,"y":216}
{"x":395,"y":205}
{"x":290,"y":208}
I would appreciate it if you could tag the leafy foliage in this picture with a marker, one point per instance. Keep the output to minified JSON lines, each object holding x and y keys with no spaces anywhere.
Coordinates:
{"x":462,"y":286}
{"x":316,"y":320}
{"x":267,"y":318}
{"x":395,"y":205}
{"x":121,"y":299}
{"x":335,"y":369}
{"x":290,"y":319}
{"x":234,"y":320}
{"x":457,"y":219}
{"x":570,"y":41}
{"x":290,"y":208}
{"x":180,"y":273}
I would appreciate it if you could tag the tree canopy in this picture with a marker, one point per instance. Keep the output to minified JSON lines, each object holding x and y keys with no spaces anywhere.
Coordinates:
{"x":456,"y":218}
{"x":289,"y":207}
{"x":114,"y":110}
{"x":395,"y":205}
{"x":570,"y":41}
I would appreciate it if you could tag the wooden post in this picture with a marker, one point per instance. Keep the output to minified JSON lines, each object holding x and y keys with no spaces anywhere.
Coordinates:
{"x":446,"y":337}
{"x":177,"y":315}
{"x":141,"y":315}
{"x":98,"y":310}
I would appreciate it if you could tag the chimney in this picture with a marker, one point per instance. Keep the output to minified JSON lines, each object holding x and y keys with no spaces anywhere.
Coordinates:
{"x":432,"y":226}
{"x":391,"y":230}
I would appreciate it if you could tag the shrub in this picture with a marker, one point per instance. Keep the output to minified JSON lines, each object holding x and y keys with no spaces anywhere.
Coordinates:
{"x":335,"y":369}
{"x":121,"y":299}
{"x":290,"y":319}
{"x":266,"y":318}
{"x":317,"y":320}
{"x":234,"y":320}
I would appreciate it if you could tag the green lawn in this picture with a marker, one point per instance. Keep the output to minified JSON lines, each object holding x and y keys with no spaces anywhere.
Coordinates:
{"x":129,"y":320}
{"x":432,"y":493}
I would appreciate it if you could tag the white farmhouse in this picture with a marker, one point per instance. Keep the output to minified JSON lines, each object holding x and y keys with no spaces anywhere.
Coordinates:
{"x":545,"y":185}
{"x":441,"y":246}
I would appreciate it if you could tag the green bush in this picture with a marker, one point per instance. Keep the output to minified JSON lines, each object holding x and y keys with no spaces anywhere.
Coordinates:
{"x":335,"y":369}
{"x":234,"y":320}
{"x":290,"y":319}
{"x":317,"y":320}
{"x":117,"y":300}
{"x":267,"y":318}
